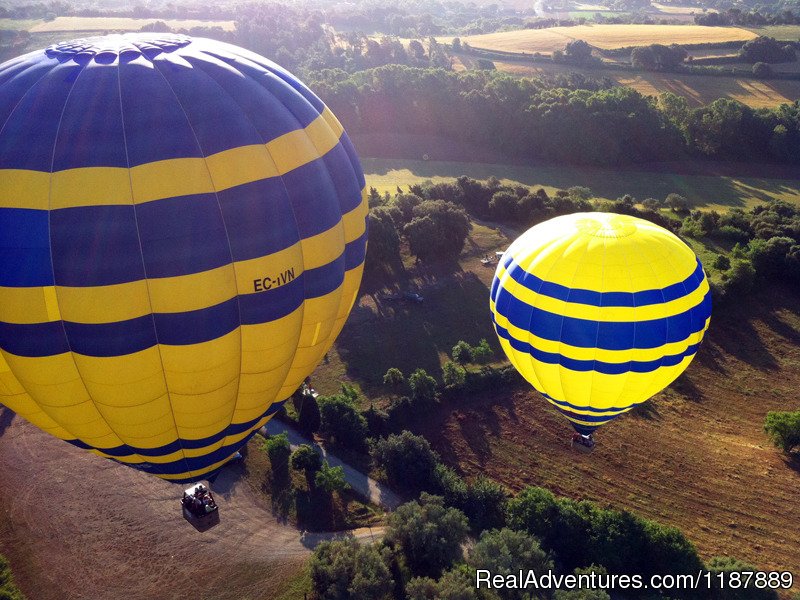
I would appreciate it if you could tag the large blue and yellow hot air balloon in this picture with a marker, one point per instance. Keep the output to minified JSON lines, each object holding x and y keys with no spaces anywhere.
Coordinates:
{"x":599,"y":312}
{"x":182,"y":236}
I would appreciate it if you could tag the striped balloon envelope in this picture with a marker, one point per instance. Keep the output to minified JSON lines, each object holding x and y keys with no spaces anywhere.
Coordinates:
{"x":599,"y":312}
{"x":182,"y":237}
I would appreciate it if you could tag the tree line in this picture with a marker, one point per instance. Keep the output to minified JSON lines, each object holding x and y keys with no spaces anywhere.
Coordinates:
{"x":534,"y":119}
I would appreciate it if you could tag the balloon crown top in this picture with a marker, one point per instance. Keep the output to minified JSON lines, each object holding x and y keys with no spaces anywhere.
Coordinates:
{"x":606,"y":225}
{"x":126,"y":47}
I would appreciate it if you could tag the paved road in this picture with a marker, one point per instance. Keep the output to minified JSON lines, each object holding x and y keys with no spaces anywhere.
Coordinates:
{"x":367,"y":487}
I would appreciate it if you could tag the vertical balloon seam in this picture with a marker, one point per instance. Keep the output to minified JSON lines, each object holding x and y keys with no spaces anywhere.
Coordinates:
{"x":146,"y":278}
{"x":2,"y":352}
{"x":657,"y":281}
{"x":560,"y":368}
{"x":222,"y":442}
{"x":52,"y":260}
{"x":635,"y":322}
{"x":303,"y":258}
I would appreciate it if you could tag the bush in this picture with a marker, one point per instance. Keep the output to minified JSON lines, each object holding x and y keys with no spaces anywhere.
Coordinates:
{"x":451,"y":486}
{"x":428,"y":534}
{"x":347,"y":570}
{"x":720,"y":564}
{"x":783,"y":428}
{"x":769,"y":257}
{"x":740,"y":278}
{"x":408,"y":461}
{"x":8,"y":589}
{"x":677,"y":203}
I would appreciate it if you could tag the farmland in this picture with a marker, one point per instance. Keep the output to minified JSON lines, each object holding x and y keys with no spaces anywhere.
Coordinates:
{"x":604,"y":36}
{"x":120,"y":24}
{"x":697,"y":89}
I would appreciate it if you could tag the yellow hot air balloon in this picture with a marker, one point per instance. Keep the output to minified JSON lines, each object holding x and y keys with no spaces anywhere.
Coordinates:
{"x":182,"y":236}
{"x":599,"y":312}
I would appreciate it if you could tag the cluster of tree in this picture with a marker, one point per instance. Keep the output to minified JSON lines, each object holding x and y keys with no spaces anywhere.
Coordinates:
{"x":424,"y":554}
{"x":767,"y":50}
{"x":578,"y":53}
{"x":766,"y":244}
{"x":8,"y":589}
{"x":434,"y":229}
{"x":657,"y":57}
{"x":769,"y":14}
{"x":314,"y":502}
{"x":529,"y":118}
{"x":783,"y":428}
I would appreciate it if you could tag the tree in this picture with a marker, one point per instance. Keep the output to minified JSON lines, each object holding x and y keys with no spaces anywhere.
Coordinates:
{"x":453,"y":375}
{"x":767,"y":50}
{"x":577,"y":52}
{"x":484,"y":64}
{"x":769,"y":257}
{"x":657,"y":57}
{"x":677,"y":203}
{"x":740,"y":278}
{"x":428,"y":534}
{"x":423,"y":389}
{"x":504,"y":205}
{"x":721,"y":262}
{"x":8,"y":588}
{"x":306,"y":459}
{"x":394,"y":378}
{"x":462,"y":352}
{"x":585,"y":593}
{"x":408,"y":461}
{"x":341,"y":422}
{"x":308,"y":417}
{"x":502,"y":551}
{"x":482,"y":353}
{"x":278,"y":450}
{"x":384,"y":243}
{"x":348,"y":570}
{"x":762,"y":70}
{"x":486,"y":504}
{"x":437,"y":231}
{"x":330,"y":479}
{"x":783,"y":428}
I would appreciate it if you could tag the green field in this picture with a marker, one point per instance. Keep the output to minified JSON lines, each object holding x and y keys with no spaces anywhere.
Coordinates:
{"x":704,"y":191}
{"x":19,"y":24}
{"x":779,"y":32}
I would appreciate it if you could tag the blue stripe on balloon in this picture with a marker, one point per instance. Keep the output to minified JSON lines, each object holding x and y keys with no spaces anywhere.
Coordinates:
{"x":100,"y":245}
{"x":24,"y":248}
{"x":594,"y":365}
{"x":567,"y":405}
{"x":583,"y":333}
{"x":603,"y":299}
{"x":194,"y":463}
{"x":191,"y":327}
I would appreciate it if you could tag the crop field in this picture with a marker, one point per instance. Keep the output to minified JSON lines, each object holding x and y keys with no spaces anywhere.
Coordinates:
{"x":697,"y":89}
{"x":120,"y":24}
{"x":779,"y":32}
{"x":604,"y":36}
{"x":703,"y":191}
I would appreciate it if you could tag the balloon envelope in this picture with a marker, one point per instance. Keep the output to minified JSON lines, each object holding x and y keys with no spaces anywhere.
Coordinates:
{"x":182,"y":236}
{"x":599,"y":312}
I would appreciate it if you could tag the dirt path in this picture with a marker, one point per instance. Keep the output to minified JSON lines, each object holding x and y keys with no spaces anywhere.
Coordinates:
{"x":367,"y":487}
{"x":77,"y":527}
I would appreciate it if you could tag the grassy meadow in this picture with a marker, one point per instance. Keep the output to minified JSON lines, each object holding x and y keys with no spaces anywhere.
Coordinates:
{"x":703,"y":191}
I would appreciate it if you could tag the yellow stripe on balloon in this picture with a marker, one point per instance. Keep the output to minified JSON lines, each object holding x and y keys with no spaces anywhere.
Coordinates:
{"x":606,"y":313}
{"x":183,"y":293}
{"x":103,"y":186}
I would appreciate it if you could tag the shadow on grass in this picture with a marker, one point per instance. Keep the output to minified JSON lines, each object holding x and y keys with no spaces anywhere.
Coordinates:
{"x":646,"y":410}
{"x":686,"y":387}
{"x":410,"y":335}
